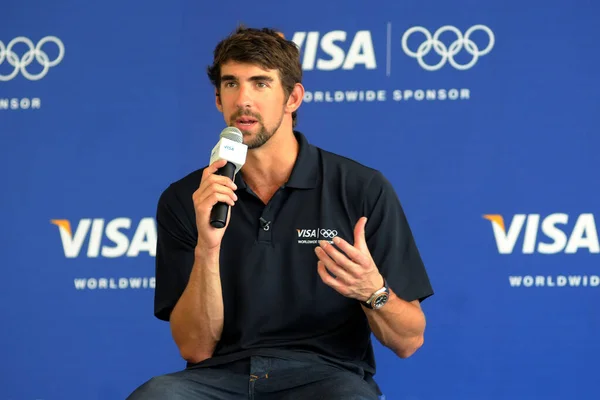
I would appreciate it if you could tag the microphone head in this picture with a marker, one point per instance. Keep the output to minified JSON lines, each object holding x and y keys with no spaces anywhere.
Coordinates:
{"x":232,"y":133}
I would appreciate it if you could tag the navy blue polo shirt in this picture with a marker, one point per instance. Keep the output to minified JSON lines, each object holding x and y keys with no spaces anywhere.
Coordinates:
{"x":275,"y":302}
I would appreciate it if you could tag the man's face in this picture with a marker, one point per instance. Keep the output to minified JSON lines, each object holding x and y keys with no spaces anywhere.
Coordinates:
{"x":251,"y":99}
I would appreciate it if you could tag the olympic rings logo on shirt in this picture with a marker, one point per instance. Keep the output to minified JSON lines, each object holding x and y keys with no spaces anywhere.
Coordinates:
{"x":447,"y":53}
{"x":328,"y":233}
{"x":21,"y":63}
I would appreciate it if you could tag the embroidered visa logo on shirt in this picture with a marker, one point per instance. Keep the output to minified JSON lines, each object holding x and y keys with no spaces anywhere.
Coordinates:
{"x":312,"y":236}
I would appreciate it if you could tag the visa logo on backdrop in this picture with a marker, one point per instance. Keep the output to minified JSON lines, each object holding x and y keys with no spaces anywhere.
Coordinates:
{"x":123,"y":238}
{"x":359,"y":50}
{"x":431,"y":48}
{"x":546,"y":235}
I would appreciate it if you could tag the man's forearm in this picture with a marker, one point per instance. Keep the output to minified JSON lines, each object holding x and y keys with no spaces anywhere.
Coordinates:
{"x":399,"y":325}
{"x":197,"y":318}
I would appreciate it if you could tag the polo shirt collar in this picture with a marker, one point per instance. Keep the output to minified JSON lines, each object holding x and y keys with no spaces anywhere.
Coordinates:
{"x":305,"y":173}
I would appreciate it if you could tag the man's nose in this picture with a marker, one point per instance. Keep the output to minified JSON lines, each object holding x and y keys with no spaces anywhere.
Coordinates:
{"x":244,"y":98}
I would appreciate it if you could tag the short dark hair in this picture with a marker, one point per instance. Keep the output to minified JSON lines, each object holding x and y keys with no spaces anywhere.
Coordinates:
{"x":265,"y":47}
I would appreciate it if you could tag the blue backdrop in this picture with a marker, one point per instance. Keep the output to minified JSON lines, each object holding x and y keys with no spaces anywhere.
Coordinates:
{"x":484,"y":116}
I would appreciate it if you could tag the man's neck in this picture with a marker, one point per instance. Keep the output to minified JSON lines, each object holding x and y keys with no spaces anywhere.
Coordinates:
{"x":270,"y":166}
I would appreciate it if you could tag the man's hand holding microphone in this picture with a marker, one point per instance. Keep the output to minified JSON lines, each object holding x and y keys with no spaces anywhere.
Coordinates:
{"x":216,"y":192}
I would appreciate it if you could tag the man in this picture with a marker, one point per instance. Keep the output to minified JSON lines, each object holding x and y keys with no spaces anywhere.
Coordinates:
{"x":316,"y":255}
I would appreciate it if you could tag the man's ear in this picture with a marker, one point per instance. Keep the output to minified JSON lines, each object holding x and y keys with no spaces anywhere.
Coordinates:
{"x":295,"y":99}
{"x":218,"y":101}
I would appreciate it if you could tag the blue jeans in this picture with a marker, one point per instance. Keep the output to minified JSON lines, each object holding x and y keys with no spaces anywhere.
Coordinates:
{"x":259,"y":378}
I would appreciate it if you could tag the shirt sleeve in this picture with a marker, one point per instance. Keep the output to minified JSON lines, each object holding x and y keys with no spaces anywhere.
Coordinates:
{"x":391,"y":242}
{"x":174,"y":252}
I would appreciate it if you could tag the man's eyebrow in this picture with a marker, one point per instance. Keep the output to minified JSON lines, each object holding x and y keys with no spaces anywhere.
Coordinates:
{"x":261,"y":78}
{"x":254,"y":78}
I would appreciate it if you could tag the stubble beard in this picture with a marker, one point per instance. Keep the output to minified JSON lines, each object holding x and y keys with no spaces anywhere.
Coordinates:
{"x":263,"y":135}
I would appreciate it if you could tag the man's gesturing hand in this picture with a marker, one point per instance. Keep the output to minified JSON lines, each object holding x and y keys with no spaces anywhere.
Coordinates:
{"x":355,"y":274}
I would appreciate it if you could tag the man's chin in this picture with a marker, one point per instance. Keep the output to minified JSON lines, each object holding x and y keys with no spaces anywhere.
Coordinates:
{"x":257,"y":140}
{"x":249,"y":135}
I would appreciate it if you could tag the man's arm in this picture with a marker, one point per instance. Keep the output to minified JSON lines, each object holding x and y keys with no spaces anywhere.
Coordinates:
{"x":398,"y":325}
{"x":191,"y":298}
{"x":197,"y":318}
{"x":351,"y":271}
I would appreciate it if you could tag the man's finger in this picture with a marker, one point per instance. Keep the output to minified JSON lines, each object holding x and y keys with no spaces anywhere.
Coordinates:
{"x":359,"y":233}
{"x":351,"y":252}
{"x":339,"y":258}
{"x":216,"y":189}
{"x":212,"y":168}
{"x":328,"y":279}
{"x":221,"y":180}
{"x":339,"y":272}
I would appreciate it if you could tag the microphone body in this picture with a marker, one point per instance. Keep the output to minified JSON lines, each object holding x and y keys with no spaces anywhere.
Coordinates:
{"x":218,"y":214}
{"x":231,"y":148}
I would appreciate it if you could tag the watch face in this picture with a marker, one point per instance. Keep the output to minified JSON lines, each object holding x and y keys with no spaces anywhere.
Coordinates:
{"x":380,"y":300}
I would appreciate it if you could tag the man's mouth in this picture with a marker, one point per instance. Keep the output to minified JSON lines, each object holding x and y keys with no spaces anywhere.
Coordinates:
{"x":245,"y":121}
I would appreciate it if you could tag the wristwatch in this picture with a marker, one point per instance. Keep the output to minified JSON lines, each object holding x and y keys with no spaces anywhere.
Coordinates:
{"x":379,"y":298}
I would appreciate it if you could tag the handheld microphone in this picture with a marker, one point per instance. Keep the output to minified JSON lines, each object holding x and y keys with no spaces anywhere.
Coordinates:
{"x":231,"y":148}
